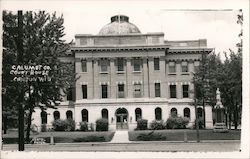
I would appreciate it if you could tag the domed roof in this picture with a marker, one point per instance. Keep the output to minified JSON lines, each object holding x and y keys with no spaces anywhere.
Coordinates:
{"x":119,"y":25}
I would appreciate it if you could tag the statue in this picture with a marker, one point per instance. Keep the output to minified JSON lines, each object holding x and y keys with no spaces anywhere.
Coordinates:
{"x":220,"y":125}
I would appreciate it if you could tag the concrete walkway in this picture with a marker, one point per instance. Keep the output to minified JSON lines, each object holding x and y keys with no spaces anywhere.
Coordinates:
{"x":120,"y":137}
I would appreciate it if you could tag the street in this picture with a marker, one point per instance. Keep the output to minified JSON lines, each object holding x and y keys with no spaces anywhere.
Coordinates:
{"x":204,"y":146}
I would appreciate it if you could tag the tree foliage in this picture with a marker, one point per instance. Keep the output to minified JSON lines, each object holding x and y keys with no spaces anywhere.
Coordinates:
{"x":42,"y":45}
{"x":226,"y":75}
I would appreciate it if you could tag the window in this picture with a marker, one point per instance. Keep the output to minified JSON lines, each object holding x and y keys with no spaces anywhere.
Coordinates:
{"x":137,"y":64}
{"x":184,"y":66}
{"x":105,"y":114}
{"x":199,"y":112}
{"x":105,"y":91}
{"x":104,"y":66}
{"x":120,"y":64}
{"x":156,"y":64}
{"x":137,"y":92}
{"x":56,"y":115}
{"x":186,"y":112}
{"x":196,"y":66}
{"x":121,"y":93}
{"x":158,"y":114}
{"x":44,"y":117}
{"x":138,"y":114}
{"x":185,"y":91}
{"x":173,"y":112}
{"x":69,"y":114}
{"x":171,"y":67}
{"x":157,"y":90}
{"x":172,"y":91}
{"x":85,"y":115}
{"x":84,"y":92}
{"x":70,"y":93}
{"x":84,"y":65}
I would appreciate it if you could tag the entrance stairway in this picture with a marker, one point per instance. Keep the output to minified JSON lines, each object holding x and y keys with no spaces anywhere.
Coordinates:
{"x":121,"y":136}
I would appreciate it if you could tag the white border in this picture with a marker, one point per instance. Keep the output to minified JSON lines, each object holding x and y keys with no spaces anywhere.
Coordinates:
{"x":170,"y":4}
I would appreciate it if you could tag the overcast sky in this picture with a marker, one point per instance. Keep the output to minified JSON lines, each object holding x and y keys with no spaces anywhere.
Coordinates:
{"x":219,"y":27}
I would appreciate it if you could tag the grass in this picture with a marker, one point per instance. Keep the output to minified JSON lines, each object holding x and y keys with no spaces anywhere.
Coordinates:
{"x":64,"y":137}
{"x":178,"y":135}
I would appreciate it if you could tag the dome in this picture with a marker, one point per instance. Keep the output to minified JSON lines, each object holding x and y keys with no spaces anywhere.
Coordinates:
{"x":119,"y":25}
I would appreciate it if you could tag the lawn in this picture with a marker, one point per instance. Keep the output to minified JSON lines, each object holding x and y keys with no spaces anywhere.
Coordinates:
{"x":178,"y":135}
{"x":64,"y":137}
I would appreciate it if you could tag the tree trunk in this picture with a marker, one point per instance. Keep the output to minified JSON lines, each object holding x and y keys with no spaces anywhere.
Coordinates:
{"x":5,"y":125}
{"x":203,"y":113}
{"x":230,"y":120}
{"x":29,"y":124}
{"x":236,"y":117}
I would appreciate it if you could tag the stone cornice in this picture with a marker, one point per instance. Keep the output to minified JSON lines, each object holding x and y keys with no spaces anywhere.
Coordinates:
{"x":189,"y":50}
{"x":119,"y":48}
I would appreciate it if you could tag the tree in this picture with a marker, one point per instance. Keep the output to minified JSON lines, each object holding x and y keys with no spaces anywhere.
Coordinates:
{"x":42,"y":45}
{"x":206,"y":80}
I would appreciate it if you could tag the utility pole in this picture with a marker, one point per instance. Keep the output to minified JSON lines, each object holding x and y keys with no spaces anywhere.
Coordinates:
{"x":21,"y":95}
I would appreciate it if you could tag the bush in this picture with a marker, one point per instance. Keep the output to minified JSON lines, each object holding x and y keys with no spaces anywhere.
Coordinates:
{"x":151,"y":136}
{"x":90,"y":139}
{"x":70,"y":124}
{"x":177,"y":122}
{"x":102,"y":124}
{"x":43,"y":128}
{"x":157,"y":125}
{"x":200,"y":123}
{"x":64,"y":125}
{"x":142,"y":124}
{"x":59,"y":125}
{"x":84,"y":126}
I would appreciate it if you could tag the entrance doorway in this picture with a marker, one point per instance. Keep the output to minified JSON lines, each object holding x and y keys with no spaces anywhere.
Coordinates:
{"x":121,"y":119}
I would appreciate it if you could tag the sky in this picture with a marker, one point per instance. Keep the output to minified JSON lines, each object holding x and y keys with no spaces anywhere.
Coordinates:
{"x":218,"y":26}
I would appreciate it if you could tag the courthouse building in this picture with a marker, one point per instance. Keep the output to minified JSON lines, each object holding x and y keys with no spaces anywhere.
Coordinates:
{"x":126,"y":75}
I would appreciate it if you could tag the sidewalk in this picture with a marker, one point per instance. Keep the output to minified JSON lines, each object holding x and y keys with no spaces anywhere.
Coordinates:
{"x":120,"y":137}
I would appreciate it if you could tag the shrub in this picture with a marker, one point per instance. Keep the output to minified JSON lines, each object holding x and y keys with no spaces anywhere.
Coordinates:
{"x":43,"y":128}
{"x":157,"y":125}
{"x":142,"y":124}
{"x":70,"y":124}
{"x":59,"y":125}
{"x":151,"y":136}
{"x":84,"y":126}
{"x":102,"y":124}
{"x":90,"y":139}
{"x":64,"y":125}
{"x":177,"y":122}
{"x":200,"y":123}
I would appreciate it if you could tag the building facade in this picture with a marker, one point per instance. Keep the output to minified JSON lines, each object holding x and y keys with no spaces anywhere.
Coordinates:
{"x":125,"y":75}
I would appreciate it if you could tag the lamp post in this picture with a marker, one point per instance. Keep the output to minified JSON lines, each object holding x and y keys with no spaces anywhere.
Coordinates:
{"x":196,"y":112}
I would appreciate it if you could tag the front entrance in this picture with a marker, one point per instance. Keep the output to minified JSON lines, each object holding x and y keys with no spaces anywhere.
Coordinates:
{"x":121,"y":119}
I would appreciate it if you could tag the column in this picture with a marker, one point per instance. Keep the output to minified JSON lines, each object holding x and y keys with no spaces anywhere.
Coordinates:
{"x":113,"y":85}
{"x":96,"y":93}
{"x":145,"y":78}
{"x":129,"y":85}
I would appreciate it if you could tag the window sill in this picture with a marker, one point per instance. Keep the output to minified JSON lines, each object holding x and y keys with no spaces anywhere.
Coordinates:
{"x":120,"y":72}
{"x":136,"y":71}
{"x":172,"y":74}
{"x":103,"y":72}
{"x":185,"y":73}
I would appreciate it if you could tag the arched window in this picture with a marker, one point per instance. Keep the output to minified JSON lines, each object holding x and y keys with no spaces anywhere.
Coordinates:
{"x":44,"y":117}
{"x":105,"y":113}
{"x":199,"y":112}
{"x":85,"y":115}
{"x":174,"y":112}
{"x":69,"y":114}
{"x":186,"y":112}
{"x":138,"y":114}
{"x":56,"y":115}
{"x":158,"y":114}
